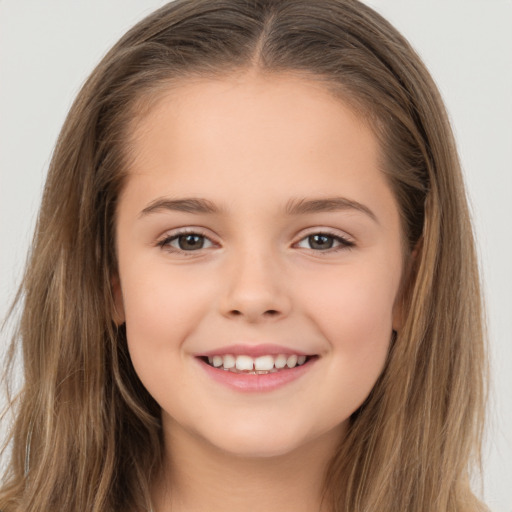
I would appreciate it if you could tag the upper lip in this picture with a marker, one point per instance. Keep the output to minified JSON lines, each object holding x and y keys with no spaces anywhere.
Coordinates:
{"x":253,"y":350}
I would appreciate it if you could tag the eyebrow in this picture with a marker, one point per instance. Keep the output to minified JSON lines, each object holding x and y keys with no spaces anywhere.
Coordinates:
{"x":329,"y":204}
{"x":189,"y":205}
{"x":298,"y":206}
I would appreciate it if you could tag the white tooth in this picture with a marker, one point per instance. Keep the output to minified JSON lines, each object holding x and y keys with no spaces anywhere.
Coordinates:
{"x":291,"y":361}
{"x":264,"y":363}
{"x":229,"y":361}
{"x":217,"y":361}
{"x":210,"y":359}
{"x":301,"y":360}
{"x":244,"y":363}
{"x":280,"y":361}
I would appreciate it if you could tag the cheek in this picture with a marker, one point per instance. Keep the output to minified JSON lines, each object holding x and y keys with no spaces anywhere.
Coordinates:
{"x":161,"y":309}
{"x":354,"y":310}
{"x":356,"y":320}
{"x":157,"y":296}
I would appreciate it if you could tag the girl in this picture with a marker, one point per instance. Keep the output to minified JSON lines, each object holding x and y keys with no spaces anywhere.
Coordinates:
{"x":253,"y":282}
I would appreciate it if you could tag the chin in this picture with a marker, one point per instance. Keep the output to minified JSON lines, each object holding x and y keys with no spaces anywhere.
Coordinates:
{"x":260,"y":440}
{"x":261,"y":448}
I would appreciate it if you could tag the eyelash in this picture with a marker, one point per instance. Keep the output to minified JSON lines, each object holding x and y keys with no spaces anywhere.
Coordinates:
{"x":344,"y":243}
{"x":166,"y":241}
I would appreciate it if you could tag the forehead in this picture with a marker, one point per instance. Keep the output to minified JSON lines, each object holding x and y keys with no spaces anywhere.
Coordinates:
{"x":300,"y":104}
{"x":252,"y":106}
{"x":253,"y":134}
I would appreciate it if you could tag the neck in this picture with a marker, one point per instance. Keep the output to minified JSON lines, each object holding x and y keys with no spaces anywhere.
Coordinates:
{"x":198,"y":476}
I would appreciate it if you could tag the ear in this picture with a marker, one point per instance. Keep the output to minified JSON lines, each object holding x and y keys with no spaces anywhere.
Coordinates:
{"x":410,"y":269}
{"x":118,"y":315}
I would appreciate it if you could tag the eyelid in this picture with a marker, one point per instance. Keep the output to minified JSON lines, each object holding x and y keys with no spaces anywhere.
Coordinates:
{"x":345,"y":240}
{"x":164,"y":241}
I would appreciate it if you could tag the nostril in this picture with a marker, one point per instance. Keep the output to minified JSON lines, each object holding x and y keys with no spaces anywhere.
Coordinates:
{"x":270,"y":312}
{"x":253,"y":314}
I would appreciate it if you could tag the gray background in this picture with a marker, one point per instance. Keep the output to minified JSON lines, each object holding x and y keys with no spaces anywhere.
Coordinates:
{"x":47,"y":48}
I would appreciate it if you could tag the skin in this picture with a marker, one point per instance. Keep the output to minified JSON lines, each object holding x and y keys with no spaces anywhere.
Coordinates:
{"x":250,"y":144}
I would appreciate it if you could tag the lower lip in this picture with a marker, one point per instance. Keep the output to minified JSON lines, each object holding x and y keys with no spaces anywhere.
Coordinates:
{"x":257,"y":383}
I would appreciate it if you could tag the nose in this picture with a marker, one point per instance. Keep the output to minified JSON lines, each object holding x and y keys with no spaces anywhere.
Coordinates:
{"x":255,"y":289}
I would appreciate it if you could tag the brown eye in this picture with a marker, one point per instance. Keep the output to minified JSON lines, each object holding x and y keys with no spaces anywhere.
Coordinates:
{"x":190,"y":242}
{"x":185,"y":242}
{"x":320,"y":242}
{"x":324,"y":242}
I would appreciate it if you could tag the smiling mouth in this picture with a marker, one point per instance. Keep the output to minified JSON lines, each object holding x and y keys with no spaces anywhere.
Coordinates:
{"x":261,"y":365}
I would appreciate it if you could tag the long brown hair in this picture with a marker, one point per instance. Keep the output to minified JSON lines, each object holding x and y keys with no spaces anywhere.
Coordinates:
{"x":87,"y":434}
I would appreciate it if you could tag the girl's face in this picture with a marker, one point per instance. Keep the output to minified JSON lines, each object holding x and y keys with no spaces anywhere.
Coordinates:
{"x":256,"y":228}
